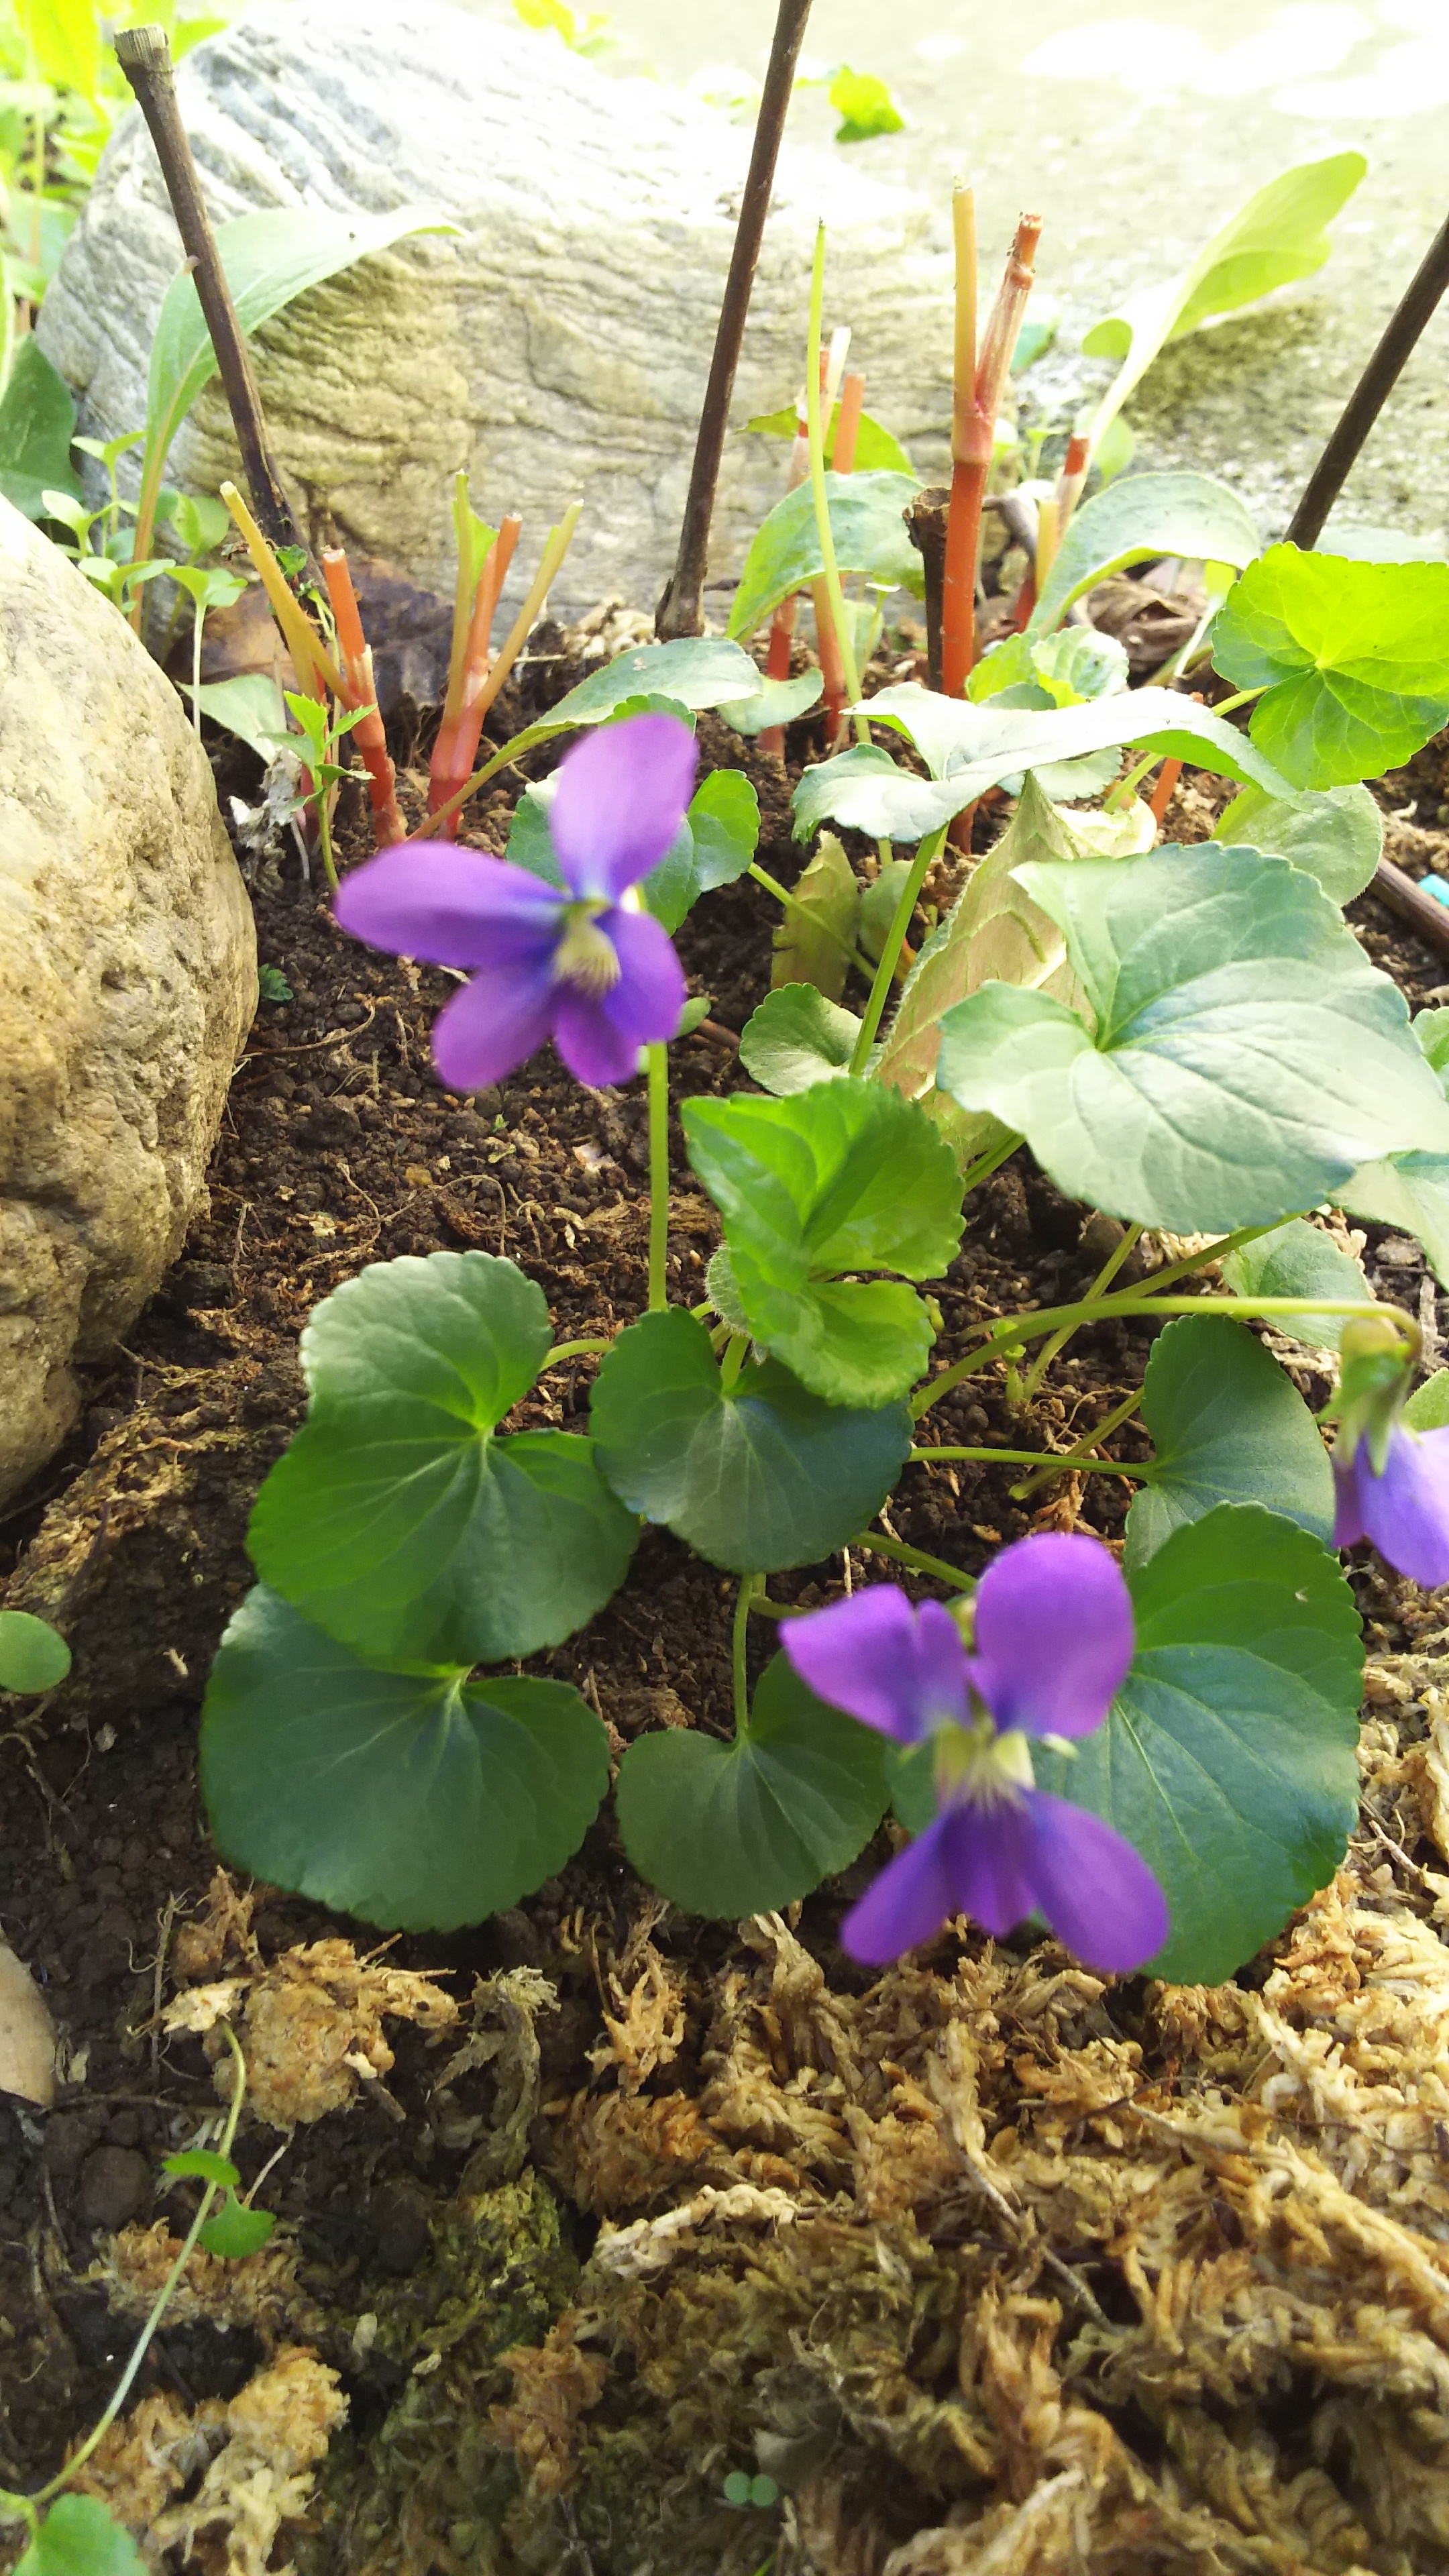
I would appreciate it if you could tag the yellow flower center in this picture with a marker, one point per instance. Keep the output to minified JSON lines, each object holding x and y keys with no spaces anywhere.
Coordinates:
{"x":978,"y":1766}
{"x":586,"y":955}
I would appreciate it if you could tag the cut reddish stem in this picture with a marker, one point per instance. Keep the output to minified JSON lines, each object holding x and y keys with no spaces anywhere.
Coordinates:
{"x":847,"y":429}
{"x":456,"y":747}
{"x":1071,"y":480}
{"x":1167,"y":779}
{"x":847,"y":426}
{"x":979,"y":384}
{"x":361,"y":691}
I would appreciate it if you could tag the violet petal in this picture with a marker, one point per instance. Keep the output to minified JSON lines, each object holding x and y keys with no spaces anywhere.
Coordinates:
{"x":622,"y":794}
{"x":1054,"y":1634}
{"x":992,"y":1848}
{"x":452,"y":907}
{"x":867,"y":1656}
{"x":1348,"y":1526}
{"x":907,"y":1905}
{"x":493,"y":1025}
{"x":1097,"y":1893}
{"x":1405,"y":1511}
{"x":594,"y":1049}
{"x":651,"y":991}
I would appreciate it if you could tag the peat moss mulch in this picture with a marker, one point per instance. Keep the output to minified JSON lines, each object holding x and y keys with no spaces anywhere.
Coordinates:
{"x":987,"y":2265}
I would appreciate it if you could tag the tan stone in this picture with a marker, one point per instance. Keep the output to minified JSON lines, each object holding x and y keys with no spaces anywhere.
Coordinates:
{"x":127,"y":981}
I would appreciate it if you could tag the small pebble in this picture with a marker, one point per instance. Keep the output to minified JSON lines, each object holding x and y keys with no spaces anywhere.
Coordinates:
{"x":115,"y":2184}
{"x":1399,"y":1252}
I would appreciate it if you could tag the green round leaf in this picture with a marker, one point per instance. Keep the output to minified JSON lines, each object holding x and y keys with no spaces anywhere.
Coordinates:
{"x":846,"y":1176}
{"x":1150,"y":514}
{"x":713,"y":846}
{"x":397,"y":1520}
{"x":779,"y":703}
{"x":418,"y":1800}
{"x":797,"y":1037}
{"x":234,"y":2231}
{"x":1228,"y":1426}
{"x":1336,"y":836}
{"x":200,"y":2163}
{"x":79,"y":2538}
{"x":741,"y":1828}
{"x":1297,"y":1260}
{"x":1428,"y":1406}
{"x":33,"y":1655}
{"x":1246,"y":1057}
{"x":869,"y":533}
{"x":1229,"y":1757}
{"x":1355,"y":658}
{"x":762,"y":1477}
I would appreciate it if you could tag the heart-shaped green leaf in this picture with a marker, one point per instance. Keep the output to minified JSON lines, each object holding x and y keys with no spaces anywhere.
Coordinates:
{"x":1297,"y":1260}
{"x":1335,"y":835}
{"x":869,"y":533}
{"x":37,"y":424}
{"x":234,"y":2231}
{"x":970,"y":748}
{"x":416,"y":1800}
{"x":742,"y":1828}
{"x":795,"y":1038}
{"x":1229,"y":1757}
{"x":79,"y":2538}
{"x":1354,"y":658}
{"x":875,"y":449}
{"x":714,"y":847}
{"x":33,"y":1655}
{"x":397,"y":1519}
{"x":755,"y":1477}
{"x":813,"y":943}
{"x":779,"y":702}
{"x":846,"y":1176}
{"x":1227,"y":1426}
{"x":1247,"y":1057}
{"x":1146,"y":515}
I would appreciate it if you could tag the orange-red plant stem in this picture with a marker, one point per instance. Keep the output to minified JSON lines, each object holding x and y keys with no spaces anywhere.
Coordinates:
{"x":1071,"y":480}
{"x":361,"y":691}
{"x":456,"y":747}
{"x":1167,"y":779}
{"x":980,"y":381}
{"x":782,"y":625}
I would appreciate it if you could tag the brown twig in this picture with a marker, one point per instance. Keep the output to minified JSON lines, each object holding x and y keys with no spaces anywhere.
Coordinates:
{"x":1426,"y":916}
{"x":679,"y":611}
{"x":1406,"y":326}
{"x":145,"y":57}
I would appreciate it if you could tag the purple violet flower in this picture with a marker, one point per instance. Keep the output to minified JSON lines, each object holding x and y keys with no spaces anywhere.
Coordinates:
{"x":1402,"y":1505}
{"x":1054,"y":1638}
{"x":588,"y":967}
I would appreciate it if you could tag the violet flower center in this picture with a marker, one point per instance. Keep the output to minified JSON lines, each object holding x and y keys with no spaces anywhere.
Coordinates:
{"x":981,"y":1765}
{"x":585,"y":954}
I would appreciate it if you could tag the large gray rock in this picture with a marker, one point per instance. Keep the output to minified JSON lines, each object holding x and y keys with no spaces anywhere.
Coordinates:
{"x":127,"y":981}
{"x":559,"y":346}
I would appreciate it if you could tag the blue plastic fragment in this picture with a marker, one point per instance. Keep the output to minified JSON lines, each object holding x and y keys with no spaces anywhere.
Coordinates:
{"x":1438,"y":887}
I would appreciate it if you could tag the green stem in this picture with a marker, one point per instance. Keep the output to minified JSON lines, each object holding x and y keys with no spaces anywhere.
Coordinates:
{"x":878,"y":1545}
{"x":1081,"y":1454}
{"x":985,"y":1164}
{"x":1099,"y":1286}
{"x":573,"y":1351}
{"x":825,"y":533}
{"x":750,"y":1585}
{"x":1048,"y":1459}
{"x":658,"y":1056}
{"x":1026,"y":1328}
{"x":1126,"y":788}
{"x":895,"y":938}
{"x":1242,"y":698}
{"x":792,"y":903}
{"x":24,"y":2508}
{"x":734,"y":1359}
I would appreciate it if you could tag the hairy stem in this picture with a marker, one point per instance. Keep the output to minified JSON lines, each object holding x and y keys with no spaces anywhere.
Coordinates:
{"x":750,"y":1586}
{"x":876,"y":1542}
{"x":895,"y":940}
{"x":658,"y":1058}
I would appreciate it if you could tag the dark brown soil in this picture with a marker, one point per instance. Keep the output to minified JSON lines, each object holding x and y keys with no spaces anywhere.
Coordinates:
{"x":338,"y":1149}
